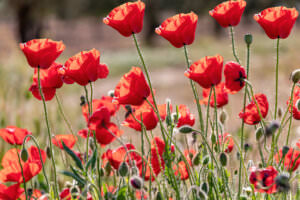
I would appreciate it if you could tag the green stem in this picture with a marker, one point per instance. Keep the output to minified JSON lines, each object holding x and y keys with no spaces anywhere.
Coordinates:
{"x":49,"y":133}
{"x":89,"y":115}
{"x":233,"y":45}
{"x":24,"y":181}
{"x":196,"y":96}
{"x":291,"y":118}
{"x":276,"y":78}
{"x":216,"y":116}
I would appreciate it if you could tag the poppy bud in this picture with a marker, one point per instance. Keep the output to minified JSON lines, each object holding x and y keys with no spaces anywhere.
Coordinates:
{"x":134,"y":170}
{"x":159,"y":196}
{"x":247,"y":147}
{"x":205,"y":160}
{"x":282,"y":182}
{"x":175,"y":117}
{"x":185,"y":129}
{"x":82,"y":100}
{"x":101,"y":172}
{"x":111,"y":93}
{"x":271,"y":128}
{"x":248,"y":38}
{"x":29,"y":192}
{"x":24,"y":155}
{"x":204,"y":187}
{"x":48,"y":152}
{"x":128,"y":108}
{"x":201,"y":195}
{"x":91,"y":143}
{"x":223,"y":159}
{"x":136,"y":182}
{"x":197,"y":159}
{"x":259,"y":133}
{"x":213,"y":139}
{"x":296,"y":76}
{"x":223,"y":116}
{"x":298,"y":104}
{"x":123,"y":169}
{"x":279,"y":112}
{"x":285,"y":150}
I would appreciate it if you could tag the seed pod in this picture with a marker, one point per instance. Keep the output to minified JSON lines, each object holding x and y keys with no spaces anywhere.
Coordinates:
{"x":223,"y":159}
{"x":136,"y":182}
{"x":248,"y":38}
{"x":259,"y":133}
{"x":24,"y":155}
{"x":185,"y":129}
{"x":223,"y":117}
{"x":123,"y":169}
{"x":296,"y":76}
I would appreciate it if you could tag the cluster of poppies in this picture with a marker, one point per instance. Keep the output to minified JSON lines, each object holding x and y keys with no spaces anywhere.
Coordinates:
{"x":135,"y":95}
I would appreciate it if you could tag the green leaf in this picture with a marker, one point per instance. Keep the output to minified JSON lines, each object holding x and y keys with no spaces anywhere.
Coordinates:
{"x":122,"y":193}
{"x":73,"y":155}
{"x":74,"y":176}
{"x":92,"y":160}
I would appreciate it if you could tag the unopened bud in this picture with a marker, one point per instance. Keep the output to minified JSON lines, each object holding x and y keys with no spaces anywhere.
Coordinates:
{"x":271,"y":128}
{"x":246,"y":147}
{"x":204,"y":187}
{"x":158,"y":196}
{"x":197,"y":159}
{"x":134,"y":170}
{"x":123,"y":169}
{"x":213,"y":139}
{"x":282,"y":182}
{"x":223,"y":117}
{"x":185,"y":129}
{"x":259,"y":133}
{"x":136,"y":182}
{"x":223,"y":159}
{"x":279,"y":112}
{"x":48,"y":152}
{"x":111,"y":93}
{"x":296,"y":76}
{"x":298,"y":104}
{"x":248,"y":38}
{"x":205,"y":160}
{"x":285,"y":150}
{"x":82,"y":101}
{"x":24,"y":155}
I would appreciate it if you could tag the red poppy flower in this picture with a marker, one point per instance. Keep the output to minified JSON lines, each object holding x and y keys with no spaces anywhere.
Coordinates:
{"x":221,"y":96}
{"x":163,"y":110}
{"x":98,"y":103}
{"x":228,"y":13}
{"x":117,"y":156}
{"x":83,"y":68}
{"x":185,"y":117}
{"x":181,"y":170}
{"x":277,"y":22}
{"x":69,"y":140}
{"x":157,"y":150}
{"x":36,"y":195}
{"x":150,"y":119}
{"x":132,"y":88}
{"x":84,"y":133}
{"x":11,"y":171}
{"x":291,"y":160}
{"x":100,"y":123}
{"x":251,"y":114}
{"x":264,"y":180}
{"x":50,"y":81}
{"x":65,"y":194}
{"x":227,"y":142}
{"x":127,"y":18}
{"x":234,"y":75}
{"x":12,"y":192}
{"x":14,"y":135}
{"x":296,"y":97}
{"x":42,"y":52}
{"x":206,"y":71}
{"x":179,"y":30}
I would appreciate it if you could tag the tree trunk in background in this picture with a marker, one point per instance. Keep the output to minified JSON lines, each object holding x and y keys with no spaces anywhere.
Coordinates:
{"x":29,"y":16}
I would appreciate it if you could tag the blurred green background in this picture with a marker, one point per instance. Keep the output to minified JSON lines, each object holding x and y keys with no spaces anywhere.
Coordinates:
{"x":79,"y":24}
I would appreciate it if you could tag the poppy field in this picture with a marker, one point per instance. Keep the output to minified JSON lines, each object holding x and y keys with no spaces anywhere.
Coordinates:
{"x":176,"y":151}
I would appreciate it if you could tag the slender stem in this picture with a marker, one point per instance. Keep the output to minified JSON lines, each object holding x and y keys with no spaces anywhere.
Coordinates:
{"x":233,"y":45}
{"x":49,"y":133}
{"x":63,"y":114}
{"x":276,"y":78}
{"x":291,"y":118}
{"x":216,"y":116}
{"x":196,"y":96}
{"x":89,"y":115}
{"x":22,"y":172}
{"x":207,"y":111}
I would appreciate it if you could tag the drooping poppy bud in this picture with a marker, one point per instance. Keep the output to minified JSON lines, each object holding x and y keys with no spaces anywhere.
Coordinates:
{"x":234,"y":74}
